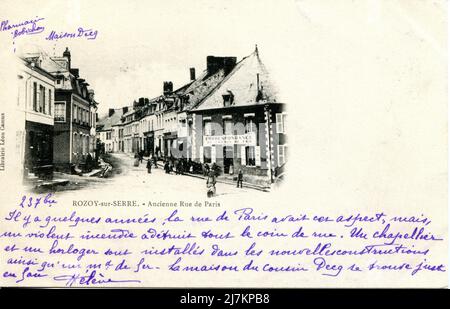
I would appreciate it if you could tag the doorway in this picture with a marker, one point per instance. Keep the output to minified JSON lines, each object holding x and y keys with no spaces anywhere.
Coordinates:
{"x":228,"y":159}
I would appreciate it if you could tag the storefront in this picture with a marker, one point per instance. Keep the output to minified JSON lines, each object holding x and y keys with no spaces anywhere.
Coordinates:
{"x":170,"y":144}
{"x":38,"y":148}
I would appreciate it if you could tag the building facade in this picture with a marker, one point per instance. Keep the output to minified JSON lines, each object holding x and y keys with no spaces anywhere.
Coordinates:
{"x":36,"y":103}
{"x":108,"y":130}
{"x":240,"y":125}
{"x":75,"y":114}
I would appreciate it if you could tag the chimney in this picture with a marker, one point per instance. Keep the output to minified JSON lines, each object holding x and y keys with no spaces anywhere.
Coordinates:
{"x":111,"y":112}
{"x":66,"y":54}
{"x":124,"y":109}
{"x":75,"y":72}
{"x":192,"y":71}
{"x":214,"y":64}
{"x":228,"y":64}
{"x":167,"y":88}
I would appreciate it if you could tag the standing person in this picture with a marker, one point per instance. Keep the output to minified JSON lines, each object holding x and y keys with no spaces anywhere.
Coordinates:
{"x":149,"y":166}
{"x":155,"y":161}
{"x":215,"y":169}
{"x":206,"y":169}
{"x":240,"y":178}
{"x":136,"y":159}
{"x":211,"y":184}
{"x":89,"y":162}
{"x":166,"y":167}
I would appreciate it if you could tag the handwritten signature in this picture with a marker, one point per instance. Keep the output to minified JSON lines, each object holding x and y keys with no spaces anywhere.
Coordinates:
{"x":26,"y":27}
{"x":93,"y":278}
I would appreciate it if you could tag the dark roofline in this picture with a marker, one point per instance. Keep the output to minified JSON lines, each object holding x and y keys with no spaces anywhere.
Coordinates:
{"x":223,"y":80}
{"x":261,"y":104}
{"x":38,"y":69}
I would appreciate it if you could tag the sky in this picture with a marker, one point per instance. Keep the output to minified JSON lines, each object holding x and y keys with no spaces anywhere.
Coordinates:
{"x":140,"y":44}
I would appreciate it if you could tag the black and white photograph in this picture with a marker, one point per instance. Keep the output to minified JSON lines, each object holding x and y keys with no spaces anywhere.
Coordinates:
{"x":223,"y":145}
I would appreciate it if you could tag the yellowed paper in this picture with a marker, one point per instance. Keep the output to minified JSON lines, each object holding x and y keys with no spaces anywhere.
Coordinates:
{"x":351,"y":191}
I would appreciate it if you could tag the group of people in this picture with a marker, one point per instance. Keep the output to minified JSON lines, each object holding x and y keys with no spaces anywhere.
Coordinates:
{"x":182,"y":166}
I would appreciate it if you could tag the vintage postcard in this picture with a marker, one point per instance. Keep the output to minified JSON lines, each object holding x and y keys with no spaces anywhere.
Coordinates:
{"x":297,"y":143}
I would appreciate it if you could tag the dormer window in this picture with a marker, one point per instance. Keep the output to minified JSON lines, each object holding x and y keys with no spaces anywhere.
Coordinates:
{"x":228,"y":99}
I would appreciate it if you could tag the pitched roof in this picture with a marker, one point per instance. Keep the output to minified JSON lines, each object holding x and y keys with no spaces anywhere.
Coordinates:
{"x":202,"y":87}
{"x":241,"y":82}
{"x":107,"y":122}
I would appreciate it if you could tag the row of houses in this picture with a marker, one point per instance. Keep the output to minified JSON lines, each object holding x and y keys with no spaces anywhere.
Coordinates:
{"x":229,"y":115}
{"x":57,"y":131}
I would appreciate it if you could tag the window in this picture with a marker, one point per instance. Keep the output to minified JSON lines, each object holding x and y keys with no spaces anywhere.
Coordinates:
{"x":228,"y":99}
{"x":282,"y":154}
{"x":250,"y":125}
{"x":35,"y":97}
{"x":74,"y":113}
{"x":281,"y":122}
{"x":207,"y":128}
{"x":250,"y":155}
{"x":228,"y":127}
{"x":49,"y":101}
{"x":75,"y":142}
{"x":43,"y":99}
{"x":60,"y":111}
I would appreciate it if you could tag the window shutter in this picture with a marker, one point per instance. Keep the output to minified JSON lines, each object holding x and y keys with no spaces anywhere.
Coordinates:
{"x":280,"y":155}
{"x":38,"y":98}
{"x":279,"y":120}
{"x":257,"y":156}
{"x":243,"y":158}
{"x":213,"y":153}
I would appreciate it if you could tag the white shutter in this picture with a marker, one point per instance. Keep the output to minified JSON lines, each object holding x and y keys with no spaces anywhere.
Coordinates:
{"x":279,"y":124}
{"x":257,"y":156}
{"x":280,"y":155}
{"x":243,"y":159}
{"x":213,"y":154}
{"x":201,"y":154}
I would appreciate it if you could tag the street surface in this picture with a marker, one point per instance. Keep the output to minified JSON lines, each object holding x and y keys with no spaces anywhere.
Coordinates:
{"x":136,"y":182}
